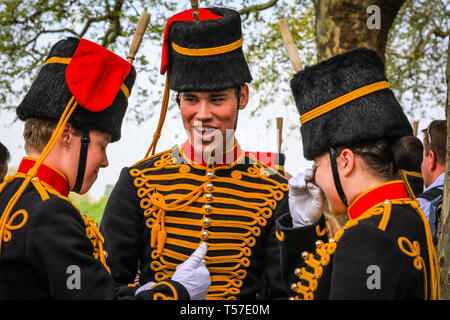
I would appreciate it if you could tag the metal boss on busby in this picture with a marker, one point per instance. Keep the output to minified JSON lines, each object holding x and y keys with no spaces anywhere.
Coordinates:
{"x":99,"y":80}
{"x":346,"y":101}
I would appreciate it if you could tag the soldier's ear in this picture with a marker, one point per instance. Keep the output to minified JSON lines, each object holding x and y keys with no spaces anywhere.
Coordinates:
{"x":346,"y":162}
{"x":243,"y":97}
{"x":67,"y":135}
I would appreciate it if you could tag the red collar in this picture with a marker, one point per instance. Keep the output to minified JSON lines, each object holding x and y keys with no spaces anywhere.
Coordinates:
{"x":46,"y":173}
{"x":392,"y":190}
{"x":229,"y":157}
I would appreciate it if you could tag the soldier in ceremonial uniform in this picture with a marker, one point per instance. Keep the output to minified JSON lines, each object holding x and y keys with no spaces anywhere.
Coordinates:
{"x":201,"y":191}
{"x":352,"y":126}
{"x":49,"y":250}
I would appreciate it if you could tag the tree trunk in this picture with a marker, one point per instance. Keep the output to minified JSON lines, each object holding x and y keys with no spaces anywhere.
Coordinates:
{"x":342,"y":26}
{"x":444,"y":228}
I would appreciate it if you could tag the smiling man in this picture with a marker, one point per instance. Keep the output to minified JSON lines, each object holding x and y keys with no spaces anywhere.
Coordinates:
{"x":206,"y":189}
{"x":210,"y":120}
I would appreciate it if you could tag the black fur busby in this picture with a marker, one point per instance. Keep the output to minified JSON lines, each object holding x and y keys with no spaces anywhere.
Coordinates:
{"x":209,"y":72}
{"x":377,"y":115}
{"x":49,"y":95}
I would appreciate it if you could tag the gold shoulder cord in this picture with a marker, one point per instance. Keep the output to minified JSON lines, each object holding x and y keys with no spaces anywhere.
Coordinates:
{"x":227,"y":271}
{"x":44,"y":189}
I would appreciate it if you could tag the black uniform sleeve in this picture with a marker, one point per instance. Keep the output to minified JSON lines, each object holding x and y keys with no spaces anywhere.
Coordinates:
{"x":272,"y":270}
{"x":366,"y":265}
{"x":295,"y":241}
{"x":122,"y":228}
{"x":164,"y":290}
{"x":62,"y":254}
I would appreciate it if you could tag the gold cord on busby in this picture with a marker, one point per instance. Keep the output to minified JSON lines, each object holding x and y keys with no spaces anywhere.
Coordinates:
{"x":198,"y":56}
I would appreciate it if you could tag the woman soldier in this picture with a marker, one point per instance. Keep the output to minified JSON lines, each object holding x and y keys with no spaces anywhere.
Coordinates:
{"x":351,"y":125}
{"x":73,"y":110}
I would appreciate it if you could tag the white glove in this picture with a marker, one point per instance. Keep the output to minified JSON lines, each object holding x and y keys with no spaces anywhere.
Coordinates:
{"x":194,"y":275}
{"x":146,"y":286}
{"x":306,"y":200}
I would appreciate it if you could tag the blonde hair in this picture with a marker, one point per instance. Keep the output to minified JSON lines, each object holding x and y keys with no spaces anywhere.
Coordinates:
{"x":37,"y":133}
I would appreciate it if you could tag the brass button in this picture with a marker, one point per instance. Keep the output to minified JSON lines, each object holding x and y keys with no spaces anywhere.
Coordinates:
{"x":304,"y":254}
{"x":294,"y":287}
{"x":209,"y":186}
{"x":297,"y":271}
{"x":210,"y":174}
{"x":209,"y":197}
{"x":207,"y":222}
{"x":319,"y":243}
{"x":291,"y":298}
{"x":208,"y":208}
{"x":205,"y":235}
{"x":105,"y":253}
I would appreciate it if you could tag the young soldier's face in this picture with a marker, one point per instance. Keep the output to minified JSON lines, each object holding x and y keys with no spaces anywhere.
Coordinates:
{"x":96,"y":158}
{"x":210,"y":118}
{"x":323,"y":178}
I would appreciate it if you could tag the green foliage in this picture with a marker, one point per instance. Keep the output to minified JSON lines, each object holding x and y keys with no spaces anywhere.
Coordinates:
{"x":91,"y":207}
{"x":415,"y":55}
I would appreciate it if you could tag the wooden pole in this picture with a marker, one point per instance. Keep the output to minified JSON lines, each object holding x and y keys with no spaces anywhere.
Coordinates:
{"x":279,"y":132}
{"x":194,"y":5}
{"x":415,"y":127}
{"x":138,"y":35}
{"x":290,"y":45}
{"x":444,"y":227}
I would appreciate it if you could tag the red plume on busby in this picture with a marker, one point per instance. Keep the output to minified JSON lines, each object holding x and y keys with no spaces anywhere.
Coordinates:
{"x":99,"y":80}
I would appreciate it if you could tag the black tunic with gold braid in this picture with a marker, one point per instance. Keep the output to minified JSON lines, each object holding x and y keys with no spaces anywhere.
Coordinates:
{"x":383,"y":252}
{"x":164,"y":206}
{"x":51,"y":251}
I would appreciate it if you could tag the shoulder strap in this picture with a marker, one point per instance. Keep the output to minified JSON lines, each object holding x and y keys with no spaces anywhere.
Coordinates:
{"x":431,"y":194}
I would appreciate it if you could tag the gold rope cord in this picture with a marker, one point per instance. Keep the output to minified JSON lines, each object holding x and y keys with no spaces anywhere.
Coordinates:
{"x":5,"y":221}
{"x":44,"y":190}
{"x":247,"y":212}
{"x":384,"y":209}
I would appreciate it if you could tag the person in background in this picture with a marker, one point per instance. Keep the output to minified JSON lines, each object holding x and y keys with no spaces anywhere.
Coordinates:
{"x":4,"y":159}
{"x":433,"y":172}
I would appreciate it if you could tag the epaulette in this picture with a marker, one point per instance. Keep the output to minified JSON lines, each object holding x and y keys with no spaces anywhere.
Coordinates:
{"x":154,"y":156}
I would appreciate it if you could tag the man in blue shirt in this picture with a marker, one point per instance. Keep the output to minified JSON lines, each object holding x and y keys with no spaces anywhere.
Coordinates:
{"x":433,"y":169}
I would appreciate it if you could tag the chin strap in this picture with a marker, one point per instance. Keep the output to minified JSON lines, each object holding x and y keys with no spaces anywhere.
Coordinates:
{"x":337,"y":181}
{"x":82,"y":161}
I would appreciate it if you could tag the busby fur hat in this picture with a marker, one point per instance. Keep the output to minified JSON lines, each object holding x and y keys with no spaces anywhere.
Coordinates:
{"x":49,"y":94}
{"x":372,"y":115}
{"x":218,"y":64}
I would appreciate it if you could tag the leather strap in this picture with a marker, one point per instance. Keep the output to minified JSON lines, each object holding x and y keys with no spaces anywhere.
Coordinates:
{"x":337,"y":181}
{"x":85,"y":140}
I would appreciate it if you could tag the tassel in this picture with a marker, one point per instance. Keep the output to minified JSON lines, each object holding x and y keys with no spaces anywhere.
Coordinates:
{"x":154,"y":234}
{"x":162,"y":235}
